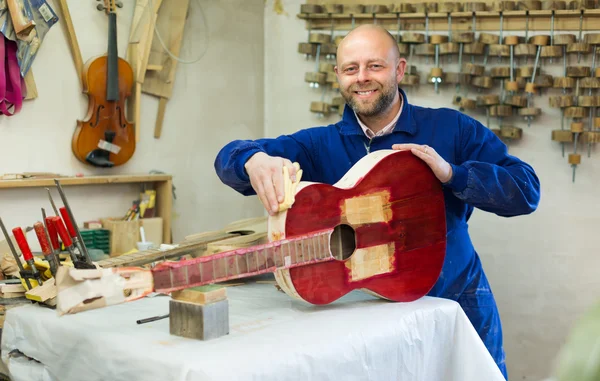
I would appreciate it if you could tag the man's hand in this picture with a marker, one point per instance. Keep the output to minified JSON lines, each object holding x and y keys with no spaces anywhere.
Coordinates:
{"x":266,"y":177}
{"x":440,"y":167}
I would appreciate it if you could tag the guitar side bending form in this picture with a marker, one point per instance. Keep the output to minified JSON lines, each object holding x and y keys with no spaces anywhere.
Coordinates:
{"x":469,"y":160}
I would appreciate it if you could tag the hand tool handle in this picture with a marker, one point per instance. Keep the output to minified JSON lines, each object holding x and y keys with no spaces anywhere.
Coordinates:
{"x":68,"y":223}
{"x":62,"y":231}
{"x":22,"y":242}
{"x":41,"y":235}
{"x":52,"y":233}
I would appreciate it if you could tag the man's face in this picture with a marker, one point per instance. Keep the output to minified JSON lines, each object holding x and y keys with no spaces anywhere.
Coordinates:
{"x":369,"y":72}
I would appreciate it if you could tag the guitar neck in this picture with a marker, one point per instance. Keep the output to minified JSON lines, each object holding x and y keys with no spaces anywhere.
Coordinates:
{"x":242,"y":263}
{"x":112,"y":74}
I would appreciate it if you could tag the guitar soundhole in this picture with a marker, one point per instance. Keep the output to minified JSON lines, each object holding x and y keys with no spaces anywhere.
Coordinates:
{"x":343,"y":242}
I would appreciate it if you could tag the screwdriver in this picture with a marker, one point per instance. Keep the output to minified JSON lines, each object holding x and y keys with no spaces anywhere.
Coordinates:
{"x":27,"y":255}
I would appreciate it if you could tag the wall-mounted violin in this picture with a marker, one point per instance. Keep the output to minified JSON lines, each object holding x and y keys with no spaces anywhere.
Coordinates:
{"x":106,"y":138}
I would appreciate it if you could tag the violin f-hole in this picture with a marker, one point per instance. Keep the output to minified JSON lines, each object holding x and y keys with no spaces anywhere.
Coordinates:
{"x":95,"y":123}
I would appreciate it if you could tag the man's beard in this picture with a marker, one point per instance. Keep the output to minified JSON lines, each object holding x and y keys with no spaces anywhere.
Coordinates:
{"x":383,"y":101}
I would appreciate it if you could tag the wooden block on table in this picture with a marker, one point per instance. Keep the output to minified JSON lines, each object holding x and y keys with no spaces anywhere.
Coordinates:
{"x":199,"y":321}
{"x":201,"y":295}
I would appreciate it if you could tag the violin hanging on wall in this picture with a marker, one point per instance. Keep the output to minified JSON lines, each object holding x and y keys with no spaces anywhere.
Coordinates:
{"x":106,"y":138}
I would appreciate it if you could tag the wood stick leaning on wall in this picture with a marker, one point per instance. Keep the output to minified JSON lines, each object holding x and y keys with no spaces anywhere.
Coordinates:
{"x":71,"y":38}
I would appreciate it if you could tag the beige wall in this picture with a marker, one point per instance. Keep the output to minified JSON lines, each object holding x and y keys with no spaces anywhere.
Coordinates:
{"x":216,"y":99}
{"x":544,"y":267}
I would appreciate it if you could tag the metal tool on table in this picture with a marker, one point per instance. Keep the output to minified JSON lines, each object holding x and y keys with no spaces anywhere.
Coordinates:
{"x":27,"y":255}
{"x":44,"y":241}
{"x":75,"y":229}
{"x":16,"y":256}
{"x":77,"y":258}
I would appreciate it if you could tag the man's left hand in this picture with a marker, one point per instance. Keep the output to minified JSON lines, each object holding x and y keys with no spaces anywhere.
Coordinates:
{"x":440,"y":167}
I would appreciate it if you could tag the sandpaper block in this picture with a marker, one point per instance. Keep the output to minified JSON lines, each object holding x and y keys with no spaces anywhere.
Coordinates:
{"x":200,"y":313}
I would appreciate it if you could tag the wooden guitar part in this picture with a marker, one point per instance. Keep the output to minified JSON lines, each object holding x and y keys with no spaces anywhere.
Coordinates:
{"x":498,"y":50}
{"x":578,"y":71}
{"x":588,"y":101}
{"x":524,"y":71}
{"x":501,"y":110}
{"x":539,"y":40}
{"x":482,"y":82}
{"x":500,"y":72}
{"x":525,"y":50}
{"x":437,"y":39}
{"x":475,"y":6}
{"x":464,"y":103}
{"x":575,"y":112}
{"x":311,"y":8}
{"x":590,"y":137}
{"x":579,"y":47}
{"x":473,"y":69}
{"x":529,"y":111}
{"x":354,"y":9}
{"x":551,"y":51}
{"x":488,"y":100}
{"x":320,"y":108}
{"x":544,"y":80}
{"x":529,"y":5}
{"x":592,"y":39}
{"x":488,"y":38}
{"x":498,"y":6}
{"x":549,"y":5}
{"x":564,"y":39}
{"x":562,"y":136}
{"x":374,"y":9}
{"x":413,"y":38}
{"x":589,"y":83}
{"x":402,"y":8}
{"x":561,"y":101}
{"x":511,"y":40}
{"x":449,"y":7}
{"x":425,"y":50}
{"x":319,"y":38}
{"x":474,"y":49}
{"x":333,"y":8}
{"x":410,"y":80}
{"x":449,"y":48}
{"x":564,"y":83}
{"x":516,"y":100}
{"x":429,"y":7}
{"x":511,"y":132}
{"x":463,"y":37}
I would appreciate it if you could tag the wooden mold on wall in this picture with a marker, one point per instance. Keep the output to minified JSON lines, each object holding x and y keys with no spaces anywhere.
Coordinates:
{"x":494,"y":54}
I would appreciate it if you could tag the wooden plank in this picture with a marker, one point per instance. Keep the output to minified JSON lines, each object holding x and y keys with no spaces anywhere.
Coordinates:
{"x":565,"y":20}
{"x":164,"y":206}
{"x":160,"y":117}
{"x":170,"y":25}
{"x":71,"y":38}
{"x":30,"y":85}
{"x":89,"y":180}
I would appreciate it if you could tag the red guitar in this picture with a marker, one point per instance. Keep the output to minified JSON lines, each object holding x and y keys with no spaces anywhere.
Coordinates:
{"x":381,"y":228}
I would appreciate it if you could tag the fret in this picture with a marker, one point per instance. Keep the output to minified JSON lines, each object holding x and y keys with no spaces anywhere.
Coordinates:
{"x":208,"y":268}
{"x":186,"y":275}
{"x":301,"y":258}
{"x":178,"y":277}
{"x":313,"y":245}
{"x":287,"y":256}
{"x":231,"y":267}
{"x":265,"y":264}
{"x":242,"y":264}
{"x":252,"y":262}
{"x":220,"y":268}
{"x":171,"y":277}
{"x":202,"y":276}
{"x":276,"y":254}
{"x":282,"y":255}
{"x":193,"y":274}
{"x":247,"y":264}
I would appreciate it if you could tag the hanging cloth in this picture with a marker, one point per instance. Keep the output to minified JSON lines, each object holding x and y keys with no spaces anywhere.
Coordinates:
{"x":11,"y":82}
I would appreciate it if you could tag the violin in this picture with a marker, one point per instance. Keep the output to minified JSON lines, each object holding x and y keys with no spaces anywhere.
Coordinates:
{"x":106,"y":138}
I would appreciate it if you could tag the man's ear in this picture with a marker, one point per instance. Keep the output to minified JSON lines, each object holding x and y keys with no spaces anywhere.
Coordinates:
{"x":400,"y":69}
{"x":335,"y":69}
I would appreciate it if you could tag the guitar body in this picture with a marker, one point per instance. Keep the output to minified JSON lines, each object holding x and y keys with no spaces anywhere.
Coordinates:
{"x":389,"y":215}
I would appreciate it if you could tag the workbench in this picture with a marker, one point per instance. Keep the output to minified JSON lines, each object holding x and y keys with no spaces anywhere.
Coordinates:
{"x":272,"y":337}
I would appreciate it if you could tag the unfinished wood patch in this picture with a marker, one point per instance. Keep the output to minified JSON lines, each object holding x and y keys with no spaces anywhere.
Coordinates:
{"x":367,"y":209}
{"x":371,"y":261}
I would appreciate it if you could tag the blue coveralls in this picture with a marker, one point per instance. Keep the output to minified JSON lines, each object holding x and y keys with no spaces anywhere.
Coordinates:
{"x":484,"y":176}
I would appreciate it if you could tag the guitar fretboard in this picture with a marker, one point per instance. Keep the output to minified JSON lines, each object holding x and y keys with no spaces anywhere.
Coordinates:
{"x":245,"y":262}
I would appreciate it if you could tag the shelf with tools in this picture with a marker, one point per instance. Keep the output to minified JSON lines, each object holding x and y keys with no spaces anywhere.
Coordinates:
{"x":163,"y":184}
{"x":460,"y":52}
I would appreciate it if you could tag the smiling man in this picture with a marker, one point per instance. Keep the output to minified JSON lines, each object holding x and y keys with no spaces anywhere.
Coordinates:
{"x":469,"y":160}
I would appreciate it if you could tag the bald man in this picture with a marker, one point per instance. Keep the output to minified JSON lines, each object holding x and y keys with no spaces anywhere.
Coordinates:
{"x":469,"y":160}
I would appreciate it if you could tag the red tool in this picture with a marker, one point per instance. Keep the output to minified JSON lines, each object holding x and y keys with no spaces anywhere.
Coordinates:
{"x":27,"y":255}
{"x":72,"y":232}
{"x":42,"y":236}
{"x":64,"y":236}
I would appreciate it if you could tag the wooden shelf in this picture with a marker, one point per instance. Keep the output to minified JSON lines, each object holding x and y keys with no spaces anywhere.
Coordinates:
{"x":86,"y":180}
{"x":163,"y":187}
{"x":462,"y":21}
